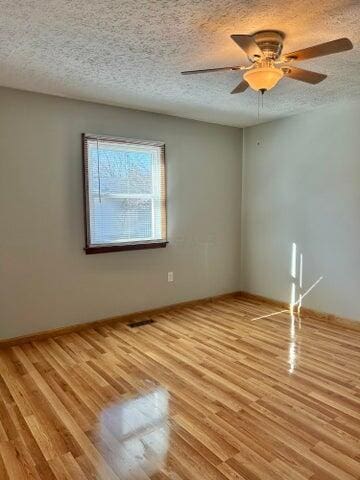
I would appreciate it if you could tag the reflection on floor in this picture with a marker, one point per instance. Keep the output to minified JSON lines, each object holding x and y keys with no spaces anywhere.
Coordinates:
{"x":204,"y":393}
{"x":138,"y":429}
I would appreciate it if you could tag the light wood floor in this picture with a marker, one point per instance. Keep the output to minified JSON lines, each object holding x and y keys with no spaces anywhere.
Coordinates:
{"x":204,"y":393}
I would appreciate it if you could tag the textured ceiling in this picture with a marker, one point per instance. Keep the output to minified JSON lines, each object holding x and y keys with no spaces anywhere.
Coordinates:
{"x":131,"y":53}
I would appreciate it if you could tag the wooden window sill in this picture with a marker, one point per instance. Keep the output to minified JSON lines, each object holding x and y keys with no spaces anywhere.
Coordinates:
{"x":121,"y":248}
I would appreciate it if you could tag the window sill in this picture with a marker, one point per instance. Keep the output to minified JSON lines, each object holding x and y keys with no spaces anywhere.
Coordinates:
{"x":121,"y":248}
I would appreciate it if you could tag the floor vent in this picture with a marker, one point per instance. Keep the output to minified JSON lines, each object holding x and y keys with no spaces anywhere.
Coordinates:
{"x":141,"y":323}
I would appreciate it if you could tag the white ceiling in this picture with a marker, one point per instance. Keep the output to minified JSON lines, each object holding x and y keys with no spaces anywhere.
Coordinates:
{"x":131,"y":53}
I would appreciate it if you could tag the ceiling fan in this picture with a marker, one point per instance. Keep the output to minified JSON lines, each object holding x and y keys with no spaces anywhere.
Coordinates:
{"x":269,"y":65}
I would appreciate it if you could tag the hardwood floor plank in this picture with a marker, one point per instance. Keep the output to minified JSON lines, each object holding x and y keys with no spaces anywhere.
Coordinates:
{"x":204,"y":393}
{"x":15,"y":470}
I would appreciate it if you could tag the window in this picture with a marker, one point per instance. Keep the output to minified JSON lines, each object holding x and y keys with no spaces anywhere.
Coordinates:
{"x":125,"y":200}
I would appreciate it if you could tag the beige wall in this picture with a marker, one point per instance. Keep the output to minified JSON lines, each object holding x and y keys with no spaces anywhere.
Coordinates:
{"x":302,"y":184}
{"x":46,"y":280}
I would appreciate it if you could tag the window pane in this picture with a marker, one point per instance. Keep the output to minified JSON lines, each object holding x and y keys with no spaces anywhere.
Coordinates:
{"x":116,"y":220}
{"x":121,"y":171}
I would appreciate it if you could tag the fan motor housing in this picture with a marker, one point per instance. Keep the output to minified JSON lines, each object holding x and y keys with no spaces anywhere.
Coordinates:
{"x":270,"y":43}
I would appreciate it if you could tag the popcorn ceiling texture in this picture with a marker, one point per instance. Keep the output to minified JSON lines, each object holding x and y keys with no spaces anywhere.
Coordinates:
{"x":131,"y":53}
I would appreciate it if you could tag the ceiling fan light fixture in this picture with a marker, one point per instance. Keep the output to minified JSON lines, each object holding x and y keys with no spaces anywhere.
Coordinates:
{"x":263,"y":78}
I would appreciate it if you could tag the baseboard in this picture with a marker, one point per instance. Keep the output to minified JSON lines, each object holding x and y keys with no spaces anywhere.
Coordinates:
{"x":43,"y":335}
{"x":259,"y":298}
{"x":305,"y":312}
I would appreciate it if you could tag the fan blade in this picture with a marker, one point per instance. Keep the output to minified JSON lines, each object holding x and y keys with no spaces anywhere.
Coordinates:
{"x":207,"y":70}
{"x":303,"y":75}
{"x":248,"y":44}
{"x":328,"y":48}
{"x":241,"y":87}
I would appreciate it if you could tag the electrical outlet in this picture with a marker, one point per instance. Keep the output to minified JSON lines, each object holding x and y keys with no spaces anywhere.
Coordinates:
{"x":170,"y":276}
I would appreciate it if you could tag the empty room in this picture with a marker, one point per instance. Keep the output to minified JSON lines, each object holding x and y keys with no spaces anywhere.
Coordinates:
{"x":179,"y":249}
